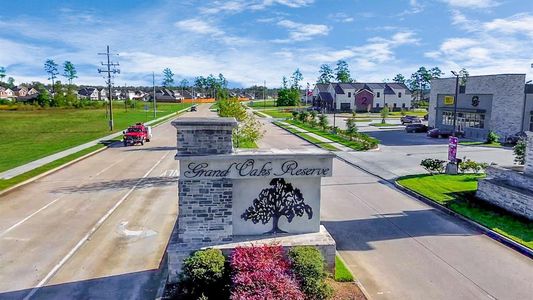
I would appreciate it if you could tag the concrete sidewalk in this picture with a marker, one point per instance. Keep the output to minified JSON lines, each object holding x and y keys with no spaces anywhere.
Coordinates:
{"x":48,"y":159}
{"x":318,"y":137}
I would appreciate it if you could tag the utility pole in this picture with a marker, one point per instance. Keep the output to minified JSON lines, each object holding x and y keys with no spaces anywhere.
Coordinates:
{"x":155,"y":107}
{"x":264,"y":90}
{"x":109,"y":71}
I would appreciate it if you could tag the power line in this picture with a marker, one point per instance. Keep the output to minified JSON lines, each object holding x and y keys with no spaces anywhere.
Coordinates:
{"x":110,"y":72}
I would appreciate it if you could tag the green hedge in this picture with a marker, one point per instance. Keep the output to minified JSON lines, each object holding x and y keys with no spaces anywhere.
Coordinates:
{"x":205,"y":275}
{"x":308,"y":266}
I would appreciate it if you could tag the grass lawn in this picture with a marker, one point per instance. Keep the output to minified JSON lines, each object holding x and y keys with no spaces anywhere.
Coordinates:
{"x":30,"y":135}
{"x":342,"y":273}
{"x":457,"y":193}
{"x":356,"y":145}
{"x":261,"y":104}
{"x":383,"y":124}
{"x":247,"y":145}
{"x":278,"y":114}
{"x":6,"y":183}
{"x":494,"y":145}
{"x":307,"y":137}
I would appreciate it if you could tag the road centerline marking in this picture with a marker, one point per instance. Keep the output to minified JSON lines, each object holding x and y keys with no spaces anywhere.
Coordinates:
{"x":88,"y":235}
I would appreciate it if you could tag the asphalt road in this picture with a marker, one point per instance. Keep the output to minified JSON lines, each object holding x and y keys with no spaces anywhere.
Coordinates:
{"x":400,"y":248}
{"x":97,"y":229}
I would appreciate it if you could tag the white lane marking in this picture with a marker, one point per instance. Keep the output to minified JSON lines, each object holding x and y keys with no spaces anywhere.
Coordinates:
{"x":91,"y":232}
{"x":28,"y":217}
{"x":129,"y":233}
{"x":49,"y":204}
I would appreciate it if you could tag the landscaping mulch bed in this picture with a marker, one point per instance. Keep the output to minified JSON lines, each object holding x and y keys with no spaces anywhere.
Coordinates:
{"x":346,"y":290}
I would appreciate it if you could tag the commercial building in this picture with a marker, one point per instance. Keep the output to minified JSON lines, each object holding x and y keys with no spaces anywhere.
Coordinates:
{"x":500,"y":103}
{"x":360,"y":96}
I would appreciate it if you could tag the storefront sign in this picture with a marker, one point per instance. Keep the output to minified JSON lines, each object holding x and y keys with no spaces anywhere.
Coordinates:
{"x":452,"y":149}
{"x":448,"y":100}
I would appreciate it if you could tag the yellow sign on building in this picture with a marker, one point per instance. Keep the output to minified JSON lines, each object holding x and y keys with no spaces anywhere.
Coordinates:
{"x":448,"y":99}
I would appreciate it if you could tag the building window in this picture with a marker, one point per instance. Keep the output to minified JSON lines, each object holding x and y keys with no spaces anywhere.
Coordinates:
{"x":471,"y":120}
{"x":531,"y":122}
{"x":403,"y":105}
{"x":394,"y":105}
{"x":378,"y":95}
{"x":399,"y":94}
{"x":377,"y":105}
{"x":349,"y":94}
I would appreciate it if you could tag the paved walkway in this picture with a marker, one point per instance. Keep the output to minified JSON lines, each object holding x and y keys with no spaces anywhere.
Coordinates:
{"x":318,"y":137}
{"x":48,"y":159}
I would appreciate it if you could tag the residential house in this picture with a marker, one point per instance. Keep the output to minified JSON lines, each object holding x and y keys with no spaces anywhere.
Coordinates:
{"x":359,"y":96}
{"x":88,"y":93}
{"x":165,"y":95}
{"x":20,"y":91}
{"x":32,"y":91}
{"x":102,"y":94}
{"x":6,"y":93}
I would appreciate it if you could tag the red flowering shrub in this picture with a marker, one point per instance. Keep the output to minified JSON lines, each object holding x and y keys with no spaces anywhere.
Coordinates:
{"x":262,"y":272}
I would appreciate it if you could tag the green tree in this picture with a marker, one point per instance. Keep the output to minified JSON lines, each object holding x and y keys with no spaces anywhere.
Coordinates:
{"x":2,"y":73}
{"x":184,"y":83}
{"x":323,"y":121}
{"x":168,"y":77}
{"x":326,"y":74}
{"x":296,"y":78}
{"x":50,"y":67}
{"x":519,"y":151}
{"x":351,"y":128}
{"x":284,"y":83}
{"x":463,"y":76}
{"x":288,"y":97}
{"x":384,"y":114}
{"x":342,"y":72}
{"x":11,"y":82}
{"x":69,"y":71}
{"x":222,"y":81}
{"x":399,"y":78}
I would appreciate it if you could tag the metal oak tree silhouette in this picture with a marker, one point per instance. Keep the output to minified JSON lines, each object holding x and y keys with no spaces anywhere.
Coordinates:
{"x":280,"y":199}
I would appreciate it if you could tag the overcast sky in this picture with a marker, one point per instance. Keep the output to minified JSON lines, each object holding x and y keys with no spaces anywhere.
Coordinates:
{"x":256,"y":40}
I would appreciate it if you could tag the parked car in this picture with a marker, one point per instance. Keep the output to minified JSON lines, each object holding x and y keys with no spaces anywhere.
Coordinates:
{"x":443,"y":133}
{"x":410,"y":120}
{"x":418,"y":127}
{"x":193,"y":108}
{"x":513,"y":139}
{"x":426,"y":117}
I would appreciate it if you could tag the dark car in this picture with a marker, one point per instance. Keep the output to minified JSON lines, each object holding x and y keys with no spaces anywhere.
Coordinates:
{"x":193,"y":108}
{"x":410,"y":120}
{"x":426,"y":117}
{"x":439,"y":133}
{"x":416,"y":128}
{"x":513,"y":139}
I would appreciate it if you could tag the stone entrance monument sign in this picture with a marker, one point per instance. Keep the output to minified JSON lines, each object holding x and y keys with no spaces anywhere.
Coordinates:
{"x":227,"y":197}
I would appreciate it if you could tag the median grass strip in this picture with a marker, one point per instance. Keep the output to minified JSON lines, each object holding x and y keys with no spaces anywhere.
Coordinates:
{"x":307,"y":137}
{"x":473,"y":143}
{"x":457,"y":192}
{"x":342,"y":273}
{"x":7,"y":183}
{"x":383,"y":124}
{"x":278,"y":114}
{"x":354,"y":144}
{"x":49,"y":131}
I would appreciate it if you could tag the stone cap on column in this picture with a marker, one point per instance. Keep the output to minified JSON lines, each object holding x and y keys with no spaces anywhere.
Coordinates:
{"x":204,"y":136}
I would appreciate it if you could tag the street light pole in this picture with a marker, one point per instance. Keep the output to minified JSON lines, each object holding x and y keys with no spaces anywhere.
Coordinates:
{"x":455,"y":103}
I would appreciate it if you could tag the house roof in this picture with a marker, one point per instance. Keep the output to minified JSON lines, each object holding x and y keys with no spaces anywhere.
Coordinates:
{"x":87,"y":91}
{"x":338,"y":89}
{"x":399,"y":86}
{"x":322,"y":87}
{"x":325,"y":96}
{"x":376,"y":86}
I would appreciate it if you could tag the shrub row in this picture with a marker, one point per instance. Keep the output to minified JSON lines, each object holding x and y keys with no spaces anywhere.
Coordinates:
{"x":258,"y":272}
{"x":433,"y":165}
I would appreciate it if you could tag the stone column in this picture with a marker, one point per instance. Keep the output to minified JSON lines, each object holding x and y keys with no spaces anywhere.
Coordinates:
{"x":528,"y":166}
{"x":204,"y":205}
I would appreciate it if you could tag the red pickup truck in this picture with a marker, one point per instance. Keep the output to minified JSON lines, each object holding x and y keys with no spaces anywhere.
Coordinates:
{"x":137,"y":134}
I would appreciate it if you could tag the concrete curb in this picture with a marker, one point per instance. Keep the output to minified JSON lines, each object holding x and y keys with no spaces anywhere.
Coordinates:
{"x":356,"y":281}
{"x":36,"y":177}
{"x":478,"y":227}
{"x":53,"y":170}
{"x":302,"y":138}
{"x":164,"y":278}
{"x":487,"y":231}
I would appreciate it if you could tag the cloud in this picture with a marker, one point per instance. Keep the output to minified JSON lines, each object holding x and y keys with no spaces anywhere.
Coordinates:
{"x":472,"y":3}
{"x":303,"y":32}
{"x":341,"y":17}
{"x":520,"y":23}
{"x":238,"y":6}
{"x":198,"y":26}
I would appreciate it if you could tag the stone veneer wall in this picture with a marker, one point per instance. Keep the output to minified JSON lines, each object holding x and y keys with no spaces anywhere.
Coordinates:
{"x":528,"y":167}
{"x":508,"y":189}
